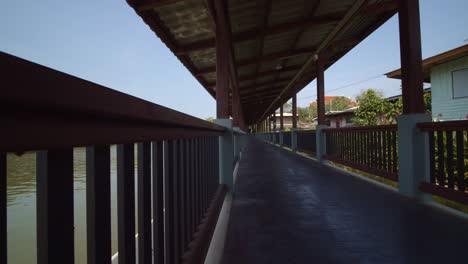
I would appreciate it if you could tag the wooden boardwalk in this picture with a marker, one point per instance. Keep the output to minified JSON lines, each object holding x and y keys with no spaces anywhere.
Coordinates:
{"x":289,"y":209}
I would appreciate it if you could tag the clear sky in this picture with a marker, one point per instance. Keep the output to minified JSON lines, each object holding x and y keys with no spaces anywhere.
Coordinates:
{"x":106,"y":42}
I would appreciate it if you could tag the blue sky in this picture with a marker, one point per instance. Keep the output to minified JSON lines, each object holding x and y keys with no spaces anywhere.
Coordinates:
{"x":106,"y":42}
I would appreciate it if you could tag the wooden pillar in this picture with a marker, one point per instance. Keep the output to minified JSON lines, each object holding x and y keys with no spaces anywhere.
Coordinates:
{"x":294,"y":111}
{"x":281,"y":117}
{"x":222,"y":62}
{"x":235,"y":106}
{"x":320,"y":91}
{"x":410,"y":53}
{"x":274,"y":121}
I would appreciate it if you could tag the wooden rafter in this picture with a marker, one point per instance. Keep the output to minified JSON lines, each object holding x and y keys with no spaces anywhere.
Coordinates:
{"x":280,"y":28}
{"x":344,"y":23}
{"x":145,"y":5}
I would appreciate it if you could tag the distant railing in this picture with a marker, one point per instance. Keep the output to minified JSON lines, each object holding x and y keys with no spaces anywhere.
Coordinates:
{"x":306,"y":141}
{"x":448,"y":157}
{"x":287,"y":139}
{"x":371,"y":149}
{"x":50,"y":112}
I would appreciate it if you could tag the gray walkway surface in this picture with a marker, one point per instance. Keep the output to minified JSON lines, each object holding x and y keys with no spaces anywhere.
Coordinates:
{"x":289,"y":209}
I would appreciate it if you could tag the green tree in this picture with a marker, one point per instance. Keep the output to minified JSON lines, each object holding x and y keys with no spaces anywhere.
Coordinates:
{"x":339,"y":103}
{"x":373,"y":108}
{"x":303,"y":113}
{"x":209,"y":119}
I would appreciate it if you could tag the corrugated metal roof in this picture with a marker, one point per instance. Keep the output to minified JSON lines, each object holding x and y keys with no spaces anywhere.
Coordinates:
{"x":272,"y":39}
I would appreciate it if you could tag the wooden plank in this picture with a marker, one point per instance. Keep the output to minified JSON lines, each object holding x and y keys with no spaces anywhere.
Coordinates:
{"x":144,"y":203}
{"x":55,"y":229}
{"x":460,"y":161}
{"x":440,"y":157}
{"x":98,"y":204}
{"x":176,"y":199}
{"x":158,"y":202}
{"x":457,"y":196}
{"x":432,"y":157}
{"x":169,"y":203}
{"x":181,"y":191}
{"x":82,"y":98}
{"x":394,"y":152}
{"x":3,"y":208}
{"x":450,"y":180}
{"x":126,"y":203}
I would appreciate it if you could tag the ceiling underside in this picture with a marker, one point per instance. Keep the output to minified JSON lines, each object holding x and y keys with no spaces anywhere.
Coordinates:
{"x":273,"y":41}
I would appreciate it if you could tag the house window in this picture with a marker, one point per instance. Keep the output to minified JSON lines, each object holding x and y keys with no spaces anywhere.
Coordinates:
{"x":460,"y":83}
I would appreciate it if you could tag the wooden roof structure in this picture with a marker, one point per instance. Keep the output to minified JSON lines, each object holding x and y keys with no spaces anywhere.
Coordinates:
{"x":274,"y":43}
{"x":430,"y":62}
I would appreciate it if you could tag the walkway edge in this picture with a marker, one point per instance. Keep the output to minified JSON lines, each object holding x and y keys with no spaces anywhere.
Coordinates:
{"x":218,"y":241}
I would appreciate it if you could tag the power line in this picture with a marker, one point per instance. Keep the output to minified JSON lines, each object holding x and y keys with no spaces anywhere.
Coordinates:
{"x":346,"y":86}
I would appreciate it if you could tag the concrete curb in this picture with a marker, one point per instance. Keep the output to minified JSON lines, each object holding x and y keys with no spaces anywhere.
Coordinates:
{"x":216,"y":249}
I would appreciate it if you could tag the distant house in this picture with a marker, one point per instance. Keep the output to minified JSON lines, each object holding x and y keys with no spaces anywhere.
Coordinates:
{"x":287,"y":120}
{"x":448,"y":75}
{"x":338,"y":119}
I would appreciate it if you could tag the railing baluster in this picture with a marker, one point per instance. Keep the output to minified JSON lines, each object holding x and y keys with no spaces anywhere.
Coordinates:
{"x":55,"y":230}
{"x":394,"y":152}
{"x":126,"y":203}
{"x":170,"y":164}
{"x":449,"y":136}
{"x":192,"y":187}
{"x":460,"y":161}
{"x":181,"y":191}
{"x":197,"y":182}
{"x":158,"y":202}
{"x":384,"y":151}
{"x":98,"y":205}
{"x":3,"y":208}
{"x":144,"y":203}
{"x":379,"y":149}
{"x":187,"y":193}
{"x":176,"y":195}
{"x":440,"y":154}
{"x":431,"y":157}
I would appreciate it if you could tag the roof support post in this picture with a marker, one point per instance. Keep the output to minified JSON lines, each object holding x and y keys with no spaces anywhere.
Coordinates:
{"x":281,"y":117}
{"x":320,"y":90}
{"x":294,"y":111}
{"x":274,"y":121}
{"x":235,"y":106}
{"x":411,"y":61}
{"x":222,"y":62}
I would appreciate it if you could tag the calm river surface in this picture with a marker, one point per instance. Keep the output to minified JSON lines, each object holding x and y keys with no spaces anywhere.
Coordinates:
{"x":21,"y":191}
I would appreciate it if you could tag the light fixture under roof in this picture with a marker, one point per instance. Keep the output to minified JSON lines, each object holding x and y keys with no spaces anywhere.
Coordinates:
{"x":279,"y":67}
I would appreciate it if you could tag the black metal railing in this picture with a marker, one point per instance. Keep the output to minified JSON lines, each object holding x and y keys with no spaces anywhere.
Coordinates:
{"x":50,"y":113}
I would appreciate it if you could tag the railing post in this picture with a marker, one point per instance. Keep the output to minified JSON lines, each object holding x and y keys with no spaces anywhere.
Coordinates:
{"x":226,"y":153}
{"x":413,"y":155}
{"x":294,"y":139}
{"x":320,"y":142}
{"x":281,"y":138}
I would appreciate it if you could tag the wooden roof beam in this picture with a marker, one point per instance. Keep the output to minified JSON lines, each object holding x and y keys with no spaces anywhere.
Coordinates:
{"x":264,"y":58}
{"x":280,"y":28}
{"x":145,"y":5}
{"x":268,"y":73}
{"x":355,"y":9}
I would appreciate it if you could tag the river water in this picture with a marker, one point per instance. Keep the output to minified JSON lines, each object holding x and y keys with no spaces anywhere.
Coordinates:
{"x":21,"y":210}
